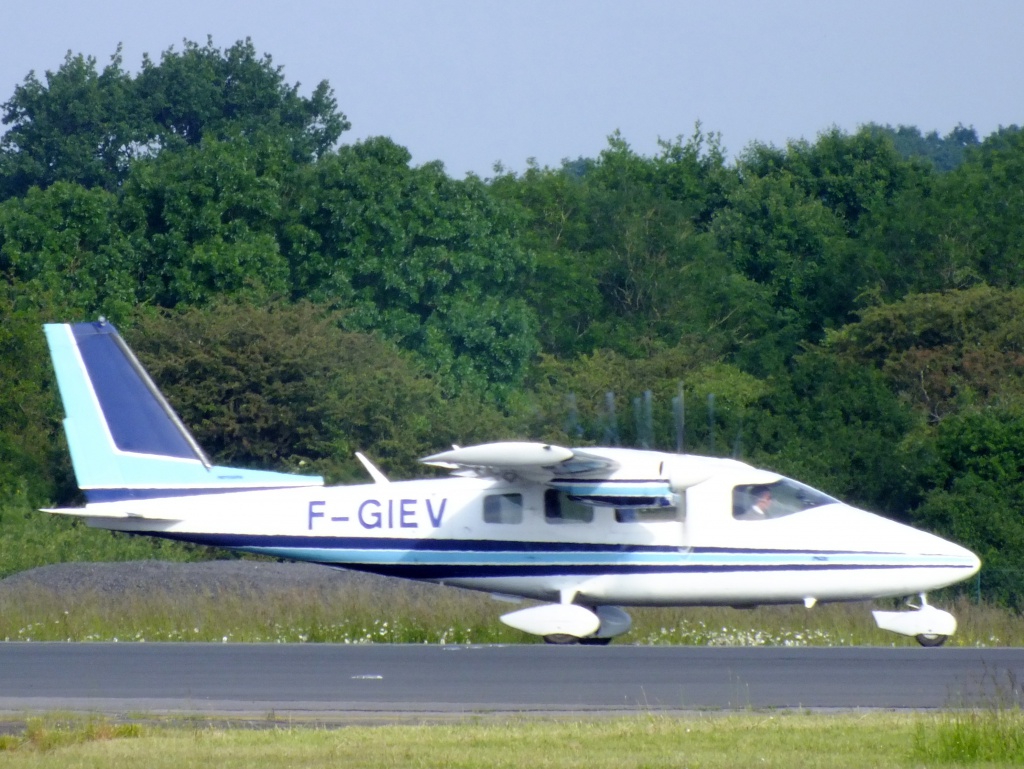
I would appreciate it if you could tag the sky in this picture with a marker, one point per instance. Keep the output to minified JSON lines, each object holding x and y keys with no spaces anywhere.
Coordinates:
{"x":473,"y":83}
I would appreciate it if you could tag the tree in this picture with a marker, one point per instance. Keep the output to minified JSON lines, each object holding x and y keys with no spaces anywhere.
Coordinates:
{"x":63,"y":248}
{"x":794,"y":226}
{"x":203,"y":220}
{"x":943,"y":352}
{"x":944,"y":152}
{"x":80,"y":126}
{"x":835,"y":424}
{"x":797,"y":254}
{"x":88,"y":126}
{"x":852,"y":175}
{"x":428,"y":261}
{"x":564,"y":289}
{"x":34,"y":466}
{"x":981,"y":212}
{"x":205,"y":93}
{"x":624,"y":259}
{"x":954,"y":230}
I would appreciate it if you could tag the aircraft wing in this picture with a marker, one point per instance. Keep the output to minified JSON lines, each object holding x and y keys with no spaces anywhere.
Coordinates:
{"x":534,"y":461}
{"x":521,"y":458}
{"x":605,"y":477}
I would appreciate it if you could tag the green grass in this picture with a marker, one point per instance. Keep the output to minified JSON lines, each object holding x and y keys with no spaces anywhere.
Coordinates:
{"x":991,"y":736}
{"x":42,"y":735}
{"x":401,"y":612}
{"x":781,"y":739}
{"x":991,"y":733}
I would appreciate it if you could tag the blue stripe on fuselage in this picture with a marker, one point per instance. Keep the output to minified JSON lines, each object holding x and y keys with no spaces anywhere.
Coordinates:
{"x":441,"y":559}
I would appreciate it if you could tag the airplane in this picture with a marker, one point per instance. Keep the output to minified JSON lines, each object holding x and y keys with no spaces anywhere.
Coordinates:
{"x":582,"y":531}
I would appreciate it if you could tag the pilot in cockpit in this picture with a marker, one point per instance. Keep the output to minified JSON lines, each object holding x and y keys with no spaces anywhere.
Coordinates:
{"x":759,"y":509}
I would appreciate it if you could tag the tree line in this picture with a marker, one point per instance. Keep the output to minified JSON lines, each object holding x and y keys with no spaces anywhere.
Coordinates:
{"x":853,"y":304}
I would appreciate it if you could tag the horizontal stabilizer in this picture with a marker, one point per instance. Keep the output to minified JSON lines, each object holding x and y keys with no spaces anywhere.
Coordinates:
{"x":83,"y":512}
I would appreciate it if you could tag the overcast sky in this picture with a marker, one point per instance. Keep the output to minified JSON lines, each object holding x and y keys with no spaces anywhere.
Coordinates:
{"x":472,"y":83}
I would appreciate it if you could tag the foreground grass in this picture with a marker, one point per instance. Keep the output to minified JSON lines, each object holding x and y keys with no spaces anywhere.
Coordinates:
{"x":756,"y":739}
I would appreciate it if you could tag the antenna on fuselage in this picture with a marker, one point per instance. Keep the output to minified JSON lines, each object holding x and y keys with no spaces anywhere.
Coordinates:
{"x":377,"y":475}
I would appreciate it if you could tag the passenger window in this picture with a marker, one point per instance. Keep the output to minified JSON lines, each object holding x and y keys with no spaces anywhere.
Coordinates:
{"x":559,"y":507}
{"x":646,"y":514}
{"x":503,"y":508}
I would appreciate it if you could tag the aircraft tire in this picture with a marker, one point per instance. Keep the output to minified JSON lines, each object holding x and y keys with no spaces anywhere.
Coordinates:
{"x":561,"y":639}
{"x":930,"y":640}
{"x":593,"y":641}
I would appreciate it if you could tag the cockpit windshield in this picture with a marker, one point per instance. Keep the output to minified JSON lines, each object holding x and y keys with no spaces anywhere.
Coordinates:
{"x":759,"y":501}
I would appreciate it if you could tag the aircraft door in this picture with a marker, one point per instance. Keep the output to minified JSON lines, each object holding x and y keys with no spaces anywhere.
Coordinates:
{"x":662,"y":525}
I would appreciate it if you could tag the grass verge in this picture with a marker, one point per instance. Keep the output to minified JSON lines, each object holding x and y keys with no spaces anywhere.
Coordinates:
{"x":401,"y":612}
{"x":782,"y":739}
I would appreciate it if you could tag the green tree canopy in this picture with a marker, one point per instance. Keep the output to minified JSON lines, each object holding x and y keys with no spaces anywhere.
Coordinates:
{"x":851,"y":174}
{"x":426,"y":260}
{"x":206,"y":93}
{"x":88,"y":126}
{"x":944,"y":152}
{"x":945,"y":351}
{"x":80,"y":125}
{"x":203,"y":221}
{"x":624,"y":258}
{"x":34,"y":463}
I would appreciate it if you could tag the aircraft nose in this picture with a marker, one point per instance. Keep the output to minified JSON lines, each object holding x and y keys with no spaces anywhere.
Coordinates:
{"x":967,"y":558}
{"x":933,"y":548}
{"x":973,"y":559}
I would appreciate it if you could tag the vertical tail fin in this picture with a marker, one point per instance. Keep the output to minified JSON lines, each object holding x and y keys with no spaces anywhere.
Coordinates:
{"x":125,"y":439}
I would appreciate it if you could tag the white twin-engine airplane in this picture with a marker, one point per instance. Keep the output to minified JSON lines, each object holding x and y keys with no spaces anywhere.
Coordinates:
{"x":584,"y":531}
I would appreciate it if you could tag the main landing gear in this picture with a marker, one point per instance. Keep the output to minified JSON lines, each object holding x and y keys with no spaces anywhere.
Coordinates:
{"x":563,"y":639}
{"x":928,"y":626}
{"x":567,"y":623}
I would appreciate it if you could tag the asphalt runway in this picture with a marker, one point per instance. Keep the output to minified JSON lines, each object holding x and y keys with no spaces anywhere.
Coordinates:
{"x":387,"y":681}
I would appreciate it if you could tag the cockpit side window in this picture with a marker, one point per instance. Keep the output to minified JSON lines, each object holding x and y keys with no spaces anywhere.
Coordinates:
{"x":759,"y":501}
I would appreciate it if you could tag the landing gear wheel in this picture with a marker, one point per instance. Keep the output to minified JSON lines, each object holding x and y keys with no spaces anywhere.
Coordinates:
{"x":595,"y":641}
{"x":931,"y":639}
{"x":561,"y":639}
